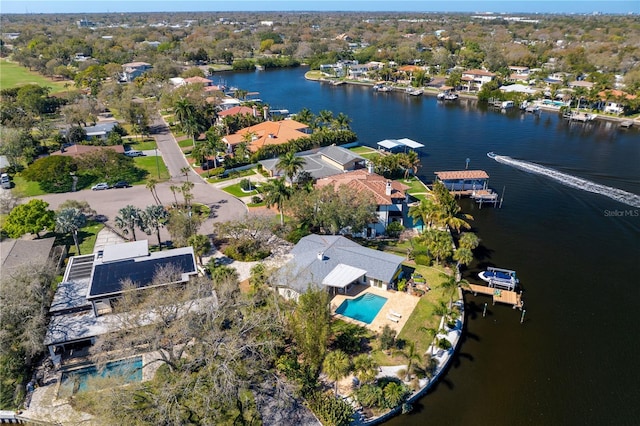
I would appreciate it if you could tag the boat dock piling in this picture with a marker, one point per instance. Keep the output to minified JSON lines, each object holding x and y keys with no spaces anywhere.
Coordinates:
{"x":507,"y":297}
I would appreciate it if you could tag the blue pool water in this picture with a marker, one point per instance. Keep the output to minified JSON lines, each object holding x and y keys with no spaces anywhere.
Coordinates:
{"x":73,"y":381}
{"x":363,"y":308}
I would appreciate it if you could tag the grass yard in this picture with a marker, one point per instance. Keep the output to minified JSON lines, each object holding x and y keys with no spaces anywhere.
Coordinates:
{"x":12,"y":75}
{"x":185,"y":143}
{"x":236,"y":191}
{"x":86,"y":236}
{"x":149,"y":164}
{"x":233,"y":175}
{"x":24,"y":188}
{"x":146,"y":145}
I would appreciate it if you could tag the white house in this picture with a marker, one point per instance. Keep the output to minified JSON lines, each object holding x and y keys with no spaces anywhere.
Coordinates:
{"x":473,"y":80}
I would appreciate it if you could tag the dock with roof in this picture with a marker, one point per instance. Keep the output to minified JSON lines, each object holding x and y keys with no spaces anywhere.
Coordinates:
{"x":468,"y":183}
{"x":399,"y":144}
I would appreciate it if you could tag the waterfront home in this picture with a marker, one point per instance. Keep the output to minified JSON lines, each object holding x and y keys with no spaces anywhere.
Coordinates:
{"x":614,"y":101}
{"x":322,"y":162}
{"x":519,"y":88}
{"x":473,"y":80}
{"x":390,"y":196}
{"x":82,"y":308}
{"x":133,"y":70}
{"x":205,"y":82}
{"x":335,"y":263}
{"x":268,"y":133}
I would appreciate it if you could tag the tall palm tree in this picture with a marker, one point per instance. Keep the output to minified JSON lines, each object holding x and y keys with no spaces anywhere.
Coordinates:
{"x":410,"y":353}
{"x":70,"y":221}
{"x":426,"y":211}
{"x":336,"y":365}
{"x":432,"y":332}
{"x":184,"y":110}
{"x":201,"y":245}
{"x":151,"y":186}
{"x":128,"y":218}
{"x":324,"y":117}
{"x":276,"y":193}
{"x":411,"y":163}
{"x":463,"y":256}
{"x":154,"y":217}
{"x":366,"y":368}
{"x":175,"y":189}
{"x":241,"y":151}
{"x":342,"y":121}
{"x":305,"y":116}
{"x":469,"y":240}
{"x":186,"y":192}
{"x":290,"y":164}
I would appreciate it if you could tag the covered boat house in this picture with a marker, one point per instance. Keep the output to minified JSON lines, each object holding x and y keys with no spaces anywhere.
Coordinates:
{"x":464,"y":181}
{"x":398,"y":145}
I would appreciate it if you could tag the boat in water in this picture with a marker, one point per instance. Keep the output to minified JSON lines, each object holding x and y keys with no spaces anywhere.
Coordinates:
{"x":499,"y":278}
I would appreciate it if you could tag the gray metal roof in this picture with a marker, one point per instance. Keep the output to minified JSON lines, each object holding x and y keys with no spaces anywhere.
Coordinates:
{"x":307,"y":267}
{"x":315,"y":164}
{"x":339,"y":155}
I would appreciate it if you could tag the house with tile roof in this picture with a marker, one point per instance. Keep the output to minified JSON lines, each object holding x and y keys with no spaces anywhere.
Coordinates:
{"x":268,"y":133}
{"x":390,"y":196}
{"x":472,"y":80}
{"x":335,"y":263}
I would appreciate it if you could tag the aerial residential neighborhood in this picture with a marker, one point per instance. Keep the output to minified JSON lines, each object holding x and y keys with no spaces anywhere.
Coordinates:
{"x":296,"y":217}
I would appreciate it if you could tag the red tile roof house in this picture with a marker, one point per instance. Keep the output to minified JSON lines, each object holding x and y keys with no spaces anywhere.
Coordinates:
{"x":269,"y":133}
{"x":472,"y":80}
{"x":389,"y":195}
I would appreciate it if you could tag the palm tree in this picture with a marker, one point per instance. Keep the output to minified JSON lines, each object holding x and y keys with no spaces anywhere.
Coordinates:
{"x":463,"y":256}
{"x":366,"y":368}
{"x":153,"y":218}
{"x":432,"y":333}
{"x":449,"y":285}
{"x":200,"y":244}
{"x":290,"y":164}
{"x":426,"y":211}
{"x":276,"y":193}
{"x":70,"y":221}
{"x":342,"y":121}
{"x":184,"y":110}
{"x":185,"y":171}
{"x":241,"y":151}
{"x":186,"y":193}
{"x":305,"y":116}
{"x":336,"y":365}
{"x":410,"y":353}
{"x":438,"y":242}
{"x":175,"y":189}
{"x":128,"y":218}
{"x":411,"y":162}
{"x":324,"y":117}
{"x":151,"y":186}
{"x":469,"y":240}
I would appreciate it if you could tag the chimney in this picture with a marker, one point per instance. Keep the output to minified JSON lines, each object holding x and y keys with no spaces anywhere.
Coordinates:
{"x":255,"y":111}
{"x":388,"y":188}
{"x":265,"y":111}
{"x":370,"y":167}
{"x":320,"y":255}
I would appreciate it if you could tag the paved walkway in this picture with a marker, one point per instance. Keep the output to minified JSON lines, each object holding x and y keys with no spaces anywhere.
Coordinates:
{"x":106,"y":237}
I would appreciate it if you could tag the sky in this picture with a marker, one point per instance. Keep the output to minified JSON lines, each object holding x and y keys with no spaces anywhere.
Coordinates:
{"x":497,"y":6}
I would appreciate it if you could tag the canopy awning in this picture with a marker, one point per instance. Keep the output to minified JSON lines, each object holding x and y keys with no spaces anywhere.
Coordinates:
{"x":343,"y":275}
{"x":404,"y":142}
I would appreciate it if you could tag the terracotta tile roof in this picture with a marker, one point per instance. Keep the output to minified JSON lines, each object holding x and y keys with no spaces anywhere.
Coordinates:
{"x":479,"y":72}
{"x":236,"y":110}
{"x":612,"y":93}
{"x":269,"y":133}
{"x":75,"y":150}
{"x":197,"y":79}
{"x":362,"y":180}
{"x":462,"y":174}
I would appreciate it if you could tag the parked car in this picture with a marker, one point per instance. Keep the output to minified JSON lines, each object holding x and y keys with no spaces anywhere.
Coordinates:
{"x":100,"y":186}
{"x":121,"y":184}
{"x":5,"y":181}
{"x":134,"y":153}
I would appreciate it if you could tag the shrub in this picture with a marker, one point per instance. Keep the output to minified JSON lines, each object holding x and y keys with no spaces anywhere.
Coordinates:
{"x":256,"y":199}
{"x":394,"y":229}
{"x":387,"y":338}
{"x":246,"y":186}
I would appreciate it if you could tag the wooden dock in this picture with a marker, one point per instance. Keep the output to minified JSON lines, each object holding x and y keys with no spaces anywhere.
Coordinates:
{"x":501,"y":296}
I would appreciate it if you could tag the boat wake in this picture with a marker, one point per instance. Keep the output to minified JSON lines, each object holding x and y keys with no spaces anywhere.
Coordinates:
{"x":625,"y":197}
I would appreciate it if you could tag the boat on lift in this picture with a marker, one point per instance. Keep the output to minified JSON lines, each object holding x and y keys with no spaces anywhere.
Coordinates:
{"x":500,"y":278}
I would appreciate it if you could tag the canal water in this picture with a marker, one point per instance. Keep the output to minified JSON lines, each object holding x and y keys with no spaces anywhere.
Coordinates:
{"x":574,"y":359}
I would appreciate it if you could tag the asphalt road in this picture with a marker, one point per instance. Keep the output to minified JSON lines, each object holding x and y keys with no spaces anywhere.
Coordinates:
{"x":107,"y":202}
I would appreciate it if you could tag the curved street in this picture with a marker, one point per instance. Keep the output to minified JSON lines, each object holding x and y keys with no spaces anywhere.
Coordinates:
{"x":223,"y":206}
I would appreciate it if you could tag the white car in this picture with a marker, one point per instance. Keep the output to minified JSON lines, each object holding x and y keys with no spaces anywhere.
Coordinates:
{"x":100,"y":186}
{"x":134,"y":153}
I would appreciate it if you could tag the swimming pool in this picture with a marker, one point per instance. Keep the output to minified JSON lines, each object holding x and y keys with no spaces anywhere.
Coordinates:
{"x":363,"y":308}
{"x":77,"y":380}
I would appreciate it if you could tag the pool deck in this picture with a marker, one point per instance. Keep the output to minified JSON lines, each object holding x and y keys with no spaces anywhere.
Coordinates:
{"x":401,"y":303}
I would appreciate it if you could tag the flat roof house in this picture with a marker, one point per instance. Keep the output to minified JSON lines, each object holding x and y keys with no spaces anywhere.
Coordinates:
{"x":334,"y":262}
{"x":82,"y":308}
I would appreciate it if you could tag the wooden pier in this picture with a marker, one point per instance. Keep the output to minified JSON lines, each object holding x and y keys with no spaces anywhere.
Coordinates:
{"x":501,"y":296}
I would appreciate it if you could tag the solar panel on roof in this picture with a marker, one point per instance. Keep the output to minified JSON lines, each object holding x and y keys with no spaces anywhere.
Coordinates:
{"x":108,"y":277}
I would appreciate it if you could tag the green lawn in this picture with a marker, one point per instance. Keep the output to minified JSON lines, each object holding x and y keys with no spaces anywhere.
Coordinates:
{"x":236,"y":191}
{"x":12,"y":75}
{"x":24,"y":188}
{"x":149,"y":164}
{"x":147,"y":144}
{"x":86,"y":236}
{"x":233,"y":175}
{"x":186,"y":143}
